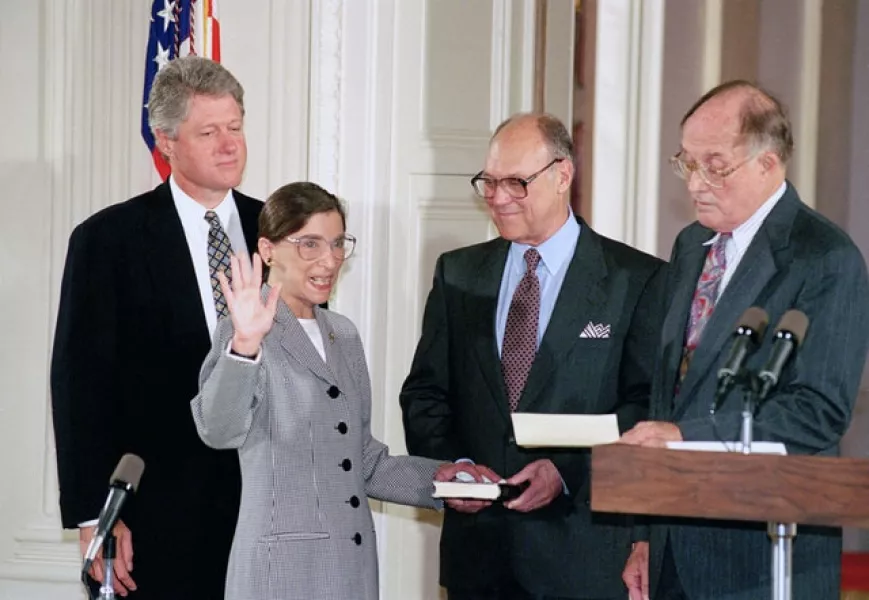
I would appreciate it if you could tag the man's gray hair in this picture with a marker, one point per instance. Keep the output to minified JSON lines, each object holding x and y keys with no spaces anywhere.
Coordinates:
{"x":764,"y":122}
{"x":177,"y":83}
{"x":552,"y":130}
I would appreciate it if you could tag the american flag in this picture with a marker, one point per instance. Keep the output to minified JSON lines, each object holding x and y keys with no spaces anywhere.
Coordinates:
{"x":178,"y":28}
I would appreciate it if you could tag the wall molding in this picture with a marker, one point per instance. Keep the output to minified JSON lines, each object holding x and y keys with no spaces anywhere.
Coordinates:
{"x":326,"y":106}
{"x":643,"y":225}
{"x":713,"y":43}
{"x":289,"y":93}
{"x":809,"y":91}
{"x":626,"y":128}
{"x":42,"y":554}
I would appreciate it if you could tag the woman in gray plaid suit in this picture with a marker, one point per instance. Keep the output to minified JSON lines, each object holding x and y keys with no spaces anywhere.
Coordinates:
{"x":286,"y":383}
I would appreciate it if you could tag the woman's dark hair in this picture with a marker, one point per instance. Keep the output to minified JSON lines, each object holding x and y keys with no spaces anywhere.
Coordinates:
{"x":290,"y":207}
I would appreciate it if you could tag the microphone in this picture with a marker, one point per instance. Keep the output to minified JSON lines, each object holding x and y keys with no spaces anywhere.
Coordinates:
{"x":124,"y":481}
{"x":748,"y":335}
{"x":788,"y":336}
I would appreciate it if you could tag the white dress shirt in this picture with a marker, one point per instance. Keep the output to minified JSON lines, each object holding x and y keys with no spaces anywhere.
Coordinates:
{"x":192,"y":215}
{"x":313,"y":330}
{"x":743,"y":235}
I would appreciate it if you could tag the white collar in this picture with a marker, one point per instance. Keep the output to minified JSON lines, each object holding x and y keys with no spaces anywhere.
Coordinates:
{"x":744,"y":234}
{"x":192,"y":212}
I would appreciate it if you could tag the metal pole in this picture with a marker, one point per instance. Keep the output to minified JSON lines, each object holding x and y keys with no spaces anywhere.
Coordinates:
{"x":747,"y":421}
{"x":782,"y":537}
{"x":107,"y":590}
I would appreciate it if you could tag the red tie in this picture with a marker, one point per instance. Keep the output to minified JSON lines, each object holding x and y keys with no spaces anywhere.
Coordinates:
{"x":520,"y":333}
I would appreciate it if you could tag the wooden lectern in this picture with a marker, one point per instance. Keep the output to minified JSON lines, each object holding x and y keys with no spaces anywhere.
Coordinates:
{"x":780,"y":490}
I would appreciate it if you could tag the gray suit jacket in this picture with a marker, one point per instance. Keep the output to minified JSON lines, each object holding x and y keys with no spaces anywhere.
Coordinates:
{"x":799,"y":260}
{"x":308,"y":462}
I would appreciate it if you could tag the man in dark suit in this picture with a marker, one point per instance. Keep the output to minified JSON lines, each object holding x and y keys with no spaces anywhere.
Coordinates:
{"x":137,"y":308}
{"x":754,"y":244}
{"x":548,"y":318}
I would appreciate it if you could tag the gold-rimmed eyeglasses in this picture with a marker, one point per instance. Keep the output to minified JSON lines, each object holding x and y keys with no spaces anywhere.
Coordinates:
{"x":710,"y":175}
{"x":312,"y":247}
{"x":516,"y":187}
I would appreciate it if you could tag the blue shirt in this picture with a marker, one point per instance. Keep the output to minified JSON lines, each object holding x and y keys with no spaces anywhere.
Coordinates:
{"x":555,"y":256}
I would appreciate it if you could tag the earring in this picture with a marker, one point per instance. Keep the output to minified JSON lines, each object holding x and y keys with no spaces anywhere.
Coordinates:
{"x":268,"y":261}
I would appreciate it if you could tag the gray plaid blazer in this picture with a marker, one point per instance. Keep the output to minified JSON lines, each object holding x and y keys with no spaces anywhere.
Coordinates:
{"x":308,"y":461}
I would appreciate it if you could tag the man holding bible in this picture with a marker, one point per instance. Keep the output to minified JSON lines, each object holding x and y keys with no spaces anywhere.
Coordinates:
{"x":548,"y":318}
{"x":754,"y":244}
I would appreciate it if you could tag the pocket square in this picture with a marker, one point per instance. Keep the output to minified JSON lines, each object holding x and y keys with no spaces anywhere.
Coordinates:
{"x":595,"y":331}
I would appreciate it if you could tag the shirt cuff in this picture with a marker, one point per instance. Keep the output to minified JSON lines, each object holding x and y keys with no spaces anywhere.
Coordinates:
{"x":90,"y":523}
{"x":245,"y":359}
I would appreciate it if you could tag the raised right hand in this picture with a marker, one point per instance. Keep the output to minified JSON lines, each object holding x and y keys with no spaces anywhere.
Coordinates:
{"x":123,"y":563}
{"x":251,"y":317}
{"x":636,"y":573}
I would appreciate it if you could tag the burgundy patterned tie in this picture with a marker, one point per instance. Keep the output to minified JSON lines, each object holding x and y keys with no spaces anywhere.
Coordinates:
{"x":705,"y":295}
{"x":520,"y":333}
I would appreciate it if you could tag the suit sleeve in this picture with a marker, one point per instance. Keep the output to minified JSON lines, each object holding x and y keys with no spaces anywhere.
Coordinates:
{"x":83,"y":370}
{"x":230,"y":391}
{"x":641,"y":350}
{"x":400,"y":479}
{"x":812,"y":406}
{"x":657,"y":408}
{"x":429,"y":421}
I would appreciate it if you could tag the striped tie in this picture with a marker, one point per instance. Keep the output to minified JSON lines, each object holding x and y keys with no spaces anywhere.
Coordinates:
{"x":219,"y":251}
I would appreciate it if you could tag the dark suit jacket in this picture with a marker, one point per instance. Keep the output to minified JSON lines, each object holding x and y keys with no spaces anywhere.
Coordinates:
{"x":799,"y":260}
{"x":455,"y":405}
{"x":131,"y":337}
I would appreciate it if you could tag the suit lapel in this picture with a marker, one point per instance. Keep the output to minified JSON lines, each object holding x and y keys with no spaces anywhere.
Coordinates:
{"x":170,"y":266}
{"x":759,"y":265}
{"x":481,"y":308}
{"x":582,"y":291}
{"x":687,"y":268}
{"x":328,"y":333}
{"x":248,"y":212}
{"x":299,"y":346}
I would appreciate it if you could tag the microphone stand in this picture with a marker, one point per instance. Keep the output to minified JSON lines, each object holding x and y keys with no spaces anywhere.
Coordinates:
{"x":748,"y":406}
{"x":107,"y":589}
{"x":781,"y":534}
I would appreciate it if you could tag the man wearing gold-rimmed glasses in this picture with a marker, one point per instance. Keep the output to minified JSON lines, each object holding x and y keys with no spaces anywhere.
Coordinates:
{"x":754,"y":244}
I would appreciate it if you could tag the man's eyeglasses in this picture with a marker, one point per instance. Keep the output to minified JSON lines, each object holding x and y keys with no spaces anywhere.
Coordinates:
{"x":515,"y":187}
{"x":711,"y":176}
{"x":312,"y":247}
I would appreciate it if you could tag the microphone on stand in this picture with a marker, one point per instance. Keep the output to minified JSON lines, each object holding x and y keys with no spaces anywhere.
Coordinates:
{"x":789,"y":334}
{"x":123,"y":482}
{"x":747,"y":337}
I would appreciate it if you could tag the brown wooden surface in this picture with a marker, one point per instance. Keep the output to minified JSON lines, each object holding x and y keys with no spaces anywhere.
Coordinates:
{"x":679,"y":483}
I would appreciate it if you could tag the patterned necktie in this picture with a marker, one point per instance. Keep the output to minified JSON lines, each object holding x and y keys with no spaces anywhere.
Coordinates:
{"x":520,"y":333}
{"x":705,"y":296}
{"x":219,"y":250}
